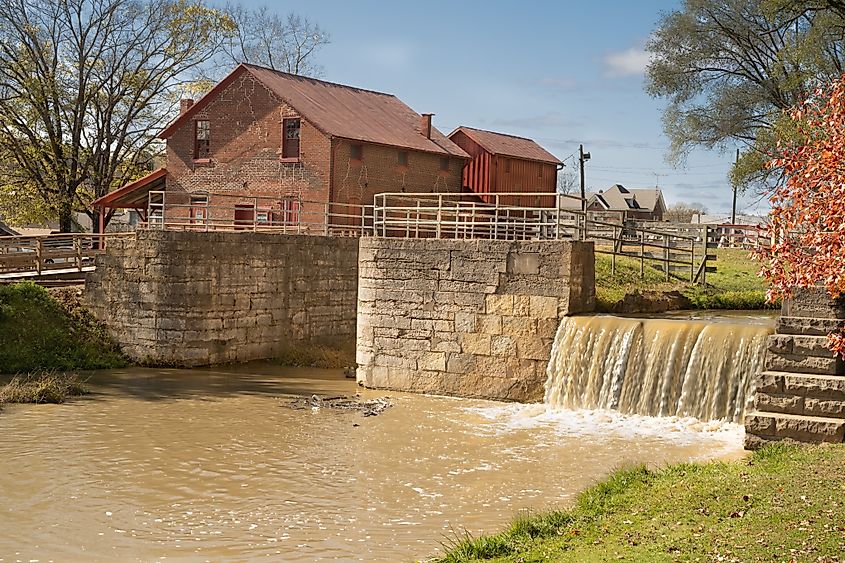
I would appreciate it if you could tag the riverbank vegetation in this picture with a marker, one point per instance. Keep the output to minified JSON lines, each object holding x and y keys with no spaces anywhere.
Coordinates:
{"x":40,"y":331}
{"x":42,"y":387}
{"x":734,"y":285}
{"x":313,"y":356}
{"x":783,"y":503}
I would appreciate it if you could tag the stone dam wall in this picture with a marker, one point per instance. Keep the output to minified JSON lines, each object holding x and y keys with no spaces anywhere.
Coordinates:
{"x":466,"y":318}
{"x":801,"y":394}
{"x":196,"y":298}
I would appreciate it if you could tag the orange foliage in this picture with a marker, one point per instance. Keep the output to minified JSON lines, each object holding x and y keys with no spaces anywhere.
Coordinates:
{"x":808,"y":213}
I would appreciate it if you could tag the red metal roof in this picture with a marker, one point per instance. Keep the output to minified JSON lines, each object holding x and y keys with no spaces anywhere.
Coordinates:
{"x":340,"y":111}
{"x":134,"y":194}
{"x":508,"y":145}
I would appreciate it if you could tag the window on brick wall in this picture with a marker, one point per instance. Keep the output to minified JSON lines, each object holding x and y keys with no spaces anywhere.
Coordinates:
{"x":202,"y":139}
{"x":402,"y":158}
{"x":444,"y":164}
{"x":356,"y":152}
{"x":290,"y":138}
{"x":199,"y":208}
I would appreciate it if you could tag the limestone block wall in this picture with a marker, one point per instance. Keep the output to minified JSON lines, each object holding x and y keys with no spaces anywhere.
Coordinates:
{"x":801,"y":395}
{"x":465,"y":317}
{"x":193,"y":298}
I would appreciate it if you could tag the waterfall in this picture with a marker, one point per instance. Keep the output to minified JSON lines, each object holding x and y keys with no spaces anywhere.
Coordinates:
{"x":655,"y":367}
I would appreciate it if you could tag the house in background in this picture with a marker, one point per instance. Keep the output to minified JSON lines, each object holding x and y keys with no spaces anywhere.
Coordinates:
{"x":266,"y":146}
{"x":505,"y":163}
{"x":619,"y":203}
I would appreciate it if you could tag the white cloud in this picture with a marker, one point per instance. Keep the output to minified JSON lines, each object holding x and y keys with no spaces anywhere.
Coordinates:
{"x":629,"y":62}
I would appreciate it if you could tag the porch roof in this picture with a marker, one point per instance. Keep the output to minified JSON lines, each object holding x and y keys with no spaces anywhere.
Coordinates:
{"x":134,"y":194}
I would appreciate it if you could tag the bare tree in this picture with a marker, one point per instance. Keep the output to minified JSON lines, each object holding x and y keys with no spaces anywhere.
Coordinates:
{"x":263,"y":37}
{"x":568,"y":181}
{"x":683,"y":212}
{"x":86,"y":84}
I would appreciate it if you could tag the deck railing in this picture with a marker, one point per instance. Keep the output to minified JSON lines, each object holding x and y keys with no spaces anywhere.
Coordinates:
{"x":225,"y":212}
{"x":540,"y":216}
{"x":37,"y":255}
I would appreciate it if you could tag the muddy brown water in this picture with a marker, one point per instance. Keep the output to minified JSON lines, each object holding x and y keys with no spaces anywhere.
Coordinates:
{"x":209,"y":465}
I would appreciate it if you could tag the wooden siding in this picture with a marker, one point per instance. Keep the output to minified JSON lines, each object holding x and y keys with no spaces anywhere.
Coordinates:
{"x":488,"y":173}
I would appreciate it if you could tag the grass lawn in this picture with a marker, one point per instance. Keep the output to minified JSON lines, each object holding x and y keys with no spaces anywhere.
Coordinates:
{"x":734,"y":285}
{"x":38,"y":333}
{"x":783,"y":503}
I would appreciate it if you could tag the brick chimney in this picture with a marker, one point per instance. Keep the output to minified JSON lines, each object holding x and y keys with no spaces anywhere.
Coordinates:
{"x":185,"y":104}
{"x":426,"y":125}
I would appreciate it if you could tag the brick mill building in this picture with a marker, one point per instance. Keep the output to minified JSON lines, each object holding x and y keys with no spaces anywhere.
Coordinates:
{"x":263,"y":145}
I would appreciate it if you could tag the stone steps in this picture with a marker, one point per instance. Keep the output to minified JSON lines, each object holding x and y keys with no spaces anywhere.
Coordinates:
{"x":801,"y":394}
{"x":762,"y":427}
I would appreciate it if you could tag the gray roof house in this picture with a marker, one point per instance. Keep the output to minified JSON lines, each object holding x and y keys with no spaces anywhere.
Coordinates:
{"x":641,"y":204}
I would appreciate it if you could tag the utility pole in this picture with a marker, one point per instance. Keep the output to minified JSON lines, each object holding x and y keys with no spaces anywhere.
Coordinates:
{"x":733,"y":208}
{"x":583,"y":157}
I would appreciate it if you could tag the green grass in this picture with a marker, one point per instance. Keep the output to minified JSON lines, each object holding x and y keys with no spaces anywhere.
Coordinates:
{"x":37,"y":332}
{"x":42,"y":387}
{"x":784,"y":503}
{"x":734,"y":285}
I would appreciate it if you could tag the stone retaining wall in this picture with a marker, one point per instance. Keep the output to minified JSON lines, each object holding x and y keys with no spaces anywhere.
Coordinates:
{"x":192,"y":298}
{"x":466,"y":318}
{"x":801,"y":395}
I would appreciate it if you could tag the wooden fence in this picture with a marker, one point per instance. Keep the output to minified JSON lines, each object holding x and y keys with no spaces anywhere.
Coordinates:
{"x":23,"y":256}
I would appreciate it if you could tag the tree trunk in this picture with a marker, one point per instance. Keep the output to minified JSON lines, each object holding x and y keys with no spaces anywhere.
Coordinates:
{"x":65,"y":214}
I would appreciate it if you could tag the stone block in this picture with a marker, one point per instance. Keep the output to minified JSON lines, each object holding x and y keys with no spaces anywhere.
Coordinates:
{"x":499,"y":304}
{"x":809,"y":429}
{"x":524,"y":263}
{"x":801,"y":345}
{"x":489,"y":324}
{"x":503,"y":346}
{"x":544,"y":307}
{"x":826,"y":408}
{"x":547,"y":328}
{"x":438,"y":345}
{"x":460,"y":363}
{"x":434,"y":361}
{"x":792,"y":404}
{"x":804,"y":364}
{"x":808,"y":326}
{"x":475,"y":343}
{"x":813,"y":302}
{"x":769,"y":382}
{"x":533,"y":348}
{"x":826,"y":387}
{"x":521,"y":305}
{"x":466,"y":322}
{"x":519,"y":326}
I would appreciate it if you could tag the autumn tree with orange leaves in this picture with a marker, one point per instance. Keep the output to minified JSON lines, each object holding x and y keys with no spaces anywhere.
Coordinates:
{"x":808,"y":207}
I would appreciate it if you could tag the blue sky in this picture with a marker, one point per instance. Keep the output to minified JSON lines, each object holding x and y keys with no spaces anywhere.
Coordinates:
{"x":562,"y":73}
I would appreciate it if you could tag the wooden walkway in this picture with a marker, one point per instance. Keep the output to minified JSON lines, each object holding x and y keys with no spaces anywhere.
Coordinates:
{"x":51,"y":256}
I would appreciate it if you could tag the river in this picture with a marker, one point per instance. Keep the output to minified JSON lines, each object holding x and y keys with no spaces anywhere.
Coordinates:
{"x":212,"y":464}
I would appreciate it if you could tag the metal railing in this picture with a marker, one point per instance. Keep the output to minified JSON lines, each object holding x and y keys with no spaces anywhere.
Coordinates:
{"x":22,"y":256}
{"x":539,"y":216}
{"x":725,"y":235}
{"x":506,"y":216}
{"x":227,"y":212}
